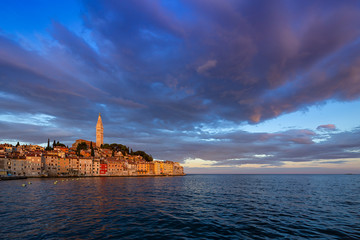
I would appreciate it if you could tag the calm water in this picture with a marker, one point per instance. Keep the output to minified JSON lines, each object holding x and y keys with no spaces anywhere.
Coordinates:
{"x":194,"y":206}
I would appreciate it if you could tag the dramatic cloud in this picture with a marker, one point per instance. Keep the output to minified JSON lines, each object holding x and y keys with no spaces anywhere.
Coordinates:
{"x":327,"y":127}
{"x":161,"y":72}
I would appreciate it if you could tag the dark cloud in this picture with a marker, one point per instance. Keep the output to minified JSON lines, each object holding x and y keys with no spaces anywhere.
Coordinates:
{"x":274,"y":149}
{"x":159,"y":71}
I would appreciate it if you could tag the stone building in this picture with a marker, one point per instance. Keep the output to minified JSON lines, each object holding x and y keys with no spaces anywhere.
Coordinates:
{"x":85,"y":166}
{"x":51,"y":164}
{"x":99,"y":132}
{"x":34,"y":165}
{"x":96,"y":167}
{"x":178,"y":169}
{"x":64,"y":164}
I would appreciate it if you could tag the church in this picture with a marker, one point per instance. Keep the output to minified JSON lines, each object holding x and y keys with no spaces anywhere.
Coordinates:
{"x":99,"y":132}
{"x":99,"y":136}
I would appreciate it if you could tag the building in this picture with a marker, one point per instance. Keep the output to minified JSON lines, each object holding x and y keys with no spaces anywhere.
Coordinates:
{"x":51,"y":163}
{"x":115,"y":167}
{"x":178,"y":169}
{"x":96,"y":167}
{"x":103,"y":169}
{"x":34,"y":165}
{"x":158,"y":167}
{"x":168,"y":168}
{"x":5,"y":167}
{"x":64,"y":164}
{"x":85,"y":166}
{"x":74,"y":166}
{"x":131,"y":168}
{"x":145,"y":168}
{"x":99,"y":132}
{"x":61,"y":149}
{"x":16,"y":167}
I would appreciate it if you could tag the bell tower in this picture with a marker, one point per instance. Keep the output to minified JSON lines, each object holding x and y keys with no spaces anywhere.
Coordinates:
{"x":99,"y":132}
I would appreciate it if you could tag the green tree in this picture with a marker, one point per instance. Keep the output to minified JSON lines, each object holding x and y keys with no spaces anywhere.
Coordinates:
{"x":48,"y":148}
{"x":105,"y":145}
{"x":115,"y":147}
{"x":59,"y":144}
{"x":92,"y":149}
{"x":146,"y":156}
{"x":81,"y":146}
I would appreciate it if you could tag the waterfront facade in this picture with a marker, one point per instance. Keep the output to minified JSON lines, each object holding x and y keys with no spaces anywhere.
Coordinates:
{"x":49,"y":164}
{"x":91,"y":160}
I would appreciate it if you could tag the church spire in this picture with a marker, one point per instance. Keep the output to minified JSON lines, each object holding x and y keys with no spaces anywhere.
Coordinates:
{"x":99,"y":132}
{"x":99,"y":122}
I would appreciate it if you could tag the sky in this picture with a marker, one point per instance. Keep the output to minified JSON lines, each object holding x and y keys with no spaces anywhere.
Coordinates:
{"x":220,"y":86}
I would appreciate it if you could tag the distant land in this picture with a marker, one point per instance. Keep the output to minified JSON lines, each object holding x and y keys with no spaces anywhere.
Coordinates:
{"x":84,"y":158}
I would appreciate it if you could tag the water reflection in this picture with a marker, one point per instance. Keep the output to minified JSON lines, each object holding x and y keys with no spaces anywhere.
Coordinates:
{"x":194,"y":206}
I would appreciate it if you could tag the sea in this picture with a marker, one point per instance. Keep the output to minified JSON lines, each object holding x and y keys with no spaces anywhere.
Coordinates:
{"x":183,"y":207}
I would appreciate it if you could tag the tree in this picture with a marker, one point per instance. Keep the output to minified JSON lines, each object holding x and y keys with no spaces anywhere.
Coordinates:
{"x":59,"y":144}
{"x":54,"y":144}
{"x":18,"y":144}
{"x":106,"y":146}
{"x":81,"y":146}
{"x":115,"y":147}
{"x":92,"y":149}
{"x":48,"y":148}
{"x":146,"y":156}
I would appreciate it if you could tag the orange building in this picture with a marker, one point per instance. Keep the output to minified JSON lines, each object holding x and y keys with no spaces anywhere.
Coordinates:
{"x":64,"y":165}
{"x":145,"y":168}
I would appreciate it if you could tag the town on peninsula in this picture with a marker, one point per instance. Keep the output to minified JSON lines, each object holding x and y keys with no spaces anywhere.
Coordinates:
{"x":83,"y":159}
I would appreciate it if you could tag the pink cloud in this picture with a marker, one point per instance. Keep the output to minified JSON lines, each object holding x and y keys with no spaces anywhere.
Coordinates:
{"x":327,"y":127}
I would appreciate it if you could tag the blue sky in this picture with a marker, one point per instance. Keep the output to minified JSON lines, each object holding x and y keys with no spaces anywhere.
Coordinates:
{"x":220,"y":86}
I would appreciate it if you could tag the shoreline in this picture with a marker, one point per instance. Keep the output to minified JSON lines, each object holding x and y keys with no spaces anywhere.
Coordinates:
{"x":7,"y":178}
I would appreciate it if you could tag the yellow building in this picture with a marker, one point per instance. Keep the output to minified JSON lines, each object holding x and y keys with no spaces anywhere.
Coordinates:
{"x":168,"y":168}
{"x":96,"y":167}
{"x":158,"y":167}
{"x":142,"y":168}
